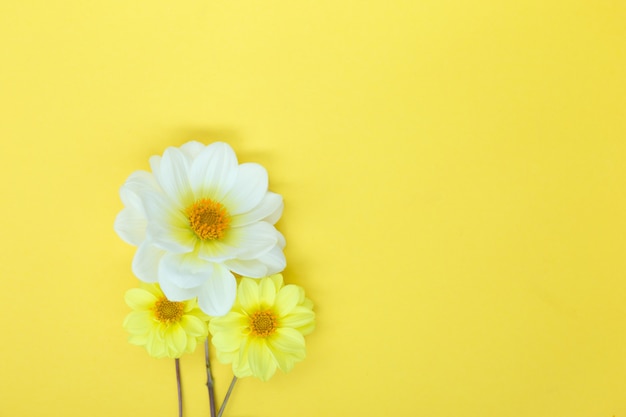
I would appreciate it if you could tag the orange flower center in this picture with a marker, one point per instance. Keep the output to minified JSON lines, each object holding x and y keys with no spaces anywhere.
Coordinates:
{"x":208,"y":219}
{"x":263,"y":323}
{"x":167,"y":311}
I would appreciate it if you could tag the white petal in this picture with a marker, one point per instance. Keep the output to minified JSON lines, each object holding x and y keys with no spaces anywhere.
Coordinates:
{"x":186,"y":271}
{"x":213,"y":171}
{"x":155,"y":165}
{"x":168,"y":227}
{"x":175,"y":293}
{"x":253,"y":240}
{"x":136,"y":183}
{"x":274,"y":260}
{"x":270,"y":207}
{"x":248,"y":190}
{"x":173,"y":176}
{"x":252,"y":268}
{"x":192,"y":149}
{"x":273,"y":217}
{"x":216,"y":251}
{"x":130,"y":225}
{"x":145,"y":264}
{"x":217,"y":294}
{"x":271,"y":263}
{"x":281,"y":240}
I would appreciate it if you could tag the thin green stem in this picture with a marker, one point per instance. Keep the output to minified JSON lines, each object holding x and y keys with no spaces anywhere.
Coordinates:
{"x":230,"y":390}
{"x":179,"y":386}
{"x":209,"y":378}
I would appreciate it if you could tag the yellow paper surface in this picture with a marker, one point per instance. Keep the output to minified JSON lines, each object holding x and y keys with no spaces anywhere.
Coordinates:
{"x":454,"y":183}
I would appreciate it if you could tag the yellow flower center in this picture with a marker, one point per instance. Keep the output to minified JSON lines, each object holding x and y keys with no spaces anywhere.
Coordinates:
{"x":167,"y":311}
{"x":208,"y":219}
{"x":263,"y":323}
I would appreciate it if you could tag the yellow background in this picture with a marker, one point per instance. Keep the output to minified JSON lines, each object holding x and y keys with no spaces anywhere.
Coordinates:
{"x":454,"y":180}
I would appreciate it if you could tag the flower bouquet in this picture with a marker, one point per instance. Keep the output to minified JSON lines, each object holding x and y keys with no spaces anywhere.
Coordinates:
{"x":209,"y":259}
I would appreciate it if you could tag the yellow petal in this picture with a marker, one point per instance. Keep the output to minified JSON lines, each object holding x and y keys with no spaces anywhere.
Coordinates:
{"x":299,"y":317}
{"x":286,"y":299}
{"x":192,"y":342}
{"x":307,"y":329}
{"x":277,"y":279}
{"x":138,"y":322}
{"x":138,"y":339}
{"x":155,"y":346}
{"x":152,"y":288}
{"x":241,"y":367}
{"x":260,"y":360}
{"x":286,"y":350}
{"x":226,"y":357}
{"x":284,"y":361}
{"x":227,"y":341}
{"x":289,"y":341}
{"x":248,"y":294}
{"x":175,"y":340}
{"x":190,"y":305}
{"x":267,"y":293}
{"x":227,"y":322}
{"x":139,"y":299}
{"x":307,"y":303}
{"x":193,"y":326}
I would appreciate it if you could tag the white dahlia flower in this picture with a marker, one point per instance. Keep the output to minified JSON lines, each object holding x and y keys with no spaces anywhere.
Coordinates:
{"x":198,"y":217}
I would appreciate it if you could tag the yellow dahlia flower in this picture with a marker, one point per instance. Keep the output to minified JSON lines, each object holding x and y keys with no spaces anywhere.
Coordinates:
{"x":265,"y":328}
{"x":165,"y":328}
{"x":196,"y":219}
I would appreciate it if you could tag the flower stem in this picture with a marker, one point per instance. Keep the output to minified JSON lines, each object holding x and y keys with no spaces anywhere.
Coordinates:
{"x":180,"y":390}
{"x":209,"y":378}
{"x":230,"y":390}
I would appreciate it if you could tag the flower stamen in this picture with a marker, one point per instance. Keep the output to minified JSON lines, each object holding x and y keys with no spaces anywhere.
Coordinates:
{"x":167,"y":311}
{"x":263,"y":323}
{"x":208,"y":219}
